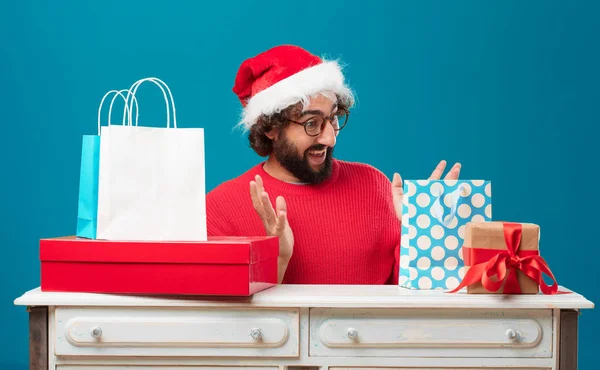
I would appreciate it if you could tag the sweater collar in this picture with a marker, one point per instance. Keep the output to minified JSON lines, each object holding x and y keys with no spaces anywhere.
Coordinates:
{"x":273,"y":184}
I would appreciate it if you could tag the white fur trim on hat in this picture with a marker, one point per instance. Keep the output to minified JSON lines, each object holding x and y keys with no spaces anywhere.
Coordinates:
{"x":326,"y":76}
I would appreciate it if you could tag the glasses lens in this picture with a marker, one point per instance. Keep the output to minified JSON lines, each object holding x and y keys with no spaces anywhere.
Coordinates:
{"x":341,"y":121}
{"x":335,"y":122}
{"x":313,"y":126}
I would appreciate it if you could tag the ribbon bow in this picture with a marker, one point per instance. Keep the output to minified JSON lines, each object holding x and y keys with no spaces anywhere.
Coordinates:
{"x":486,"y":263}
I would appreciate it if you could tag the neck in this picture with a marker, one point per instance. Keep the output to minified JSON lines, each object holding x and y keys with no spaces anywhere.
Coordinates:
{"x":275,"y":169}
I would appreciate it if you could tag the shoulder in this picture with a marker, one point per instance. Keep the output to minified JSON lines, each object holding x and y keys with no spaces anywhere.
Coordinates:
{"x":366,"y":177}
{"x":238,"y":185}
{"x":362,"y":170}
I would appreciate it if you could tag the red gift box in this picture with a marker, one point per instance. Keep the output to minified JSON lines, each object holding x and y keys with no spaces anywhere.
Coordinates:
{"x":233,"y":266}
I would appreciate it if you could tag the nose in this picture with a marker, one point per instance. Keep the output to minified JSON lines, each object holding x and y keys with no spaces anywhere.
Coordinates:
{"x":327,"y":136}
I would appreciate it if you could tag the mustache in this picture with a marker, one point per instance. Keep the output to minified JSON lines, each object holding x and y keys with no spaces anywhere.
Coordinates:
{"x":317,"y":147}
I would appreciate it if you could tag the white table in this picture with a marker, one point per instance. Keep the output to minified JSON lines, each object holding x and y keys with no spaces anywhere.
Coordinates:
{"x":311,"y":326}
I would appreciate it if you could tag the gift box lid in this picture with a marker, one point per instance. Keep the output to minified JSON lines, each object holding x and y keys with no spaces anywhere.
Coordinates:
{"x":216,"y":250}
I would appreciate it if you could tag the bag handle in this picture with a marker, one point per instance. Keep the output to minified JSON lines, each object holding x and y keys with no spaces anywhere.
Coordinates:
{"x":437,"y":211}
{"x":119,"y":93}
{"x":160,"y":84}
{"x":116,"y":92}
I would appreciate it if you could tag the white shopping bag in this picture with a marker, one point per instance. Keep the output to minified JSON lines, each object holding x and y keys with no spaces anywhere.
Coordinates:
{"x":152,"y":180}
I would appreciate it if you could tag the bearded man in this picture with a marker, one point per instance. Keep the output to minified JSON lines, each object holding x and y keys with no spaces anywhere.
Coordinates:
{"x":338,"y":222}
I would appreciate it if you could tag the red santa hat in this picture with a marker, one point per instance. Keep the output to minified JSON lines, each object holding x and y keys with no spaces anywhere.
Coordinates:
{"x":283,"y":76}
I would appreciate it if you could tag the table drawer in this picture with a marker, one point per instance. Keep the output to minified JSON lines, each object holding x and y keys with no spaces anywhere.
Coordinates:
{"x":154,"y":367}
{"x":430,"y":333}
{"x":176,"y":332}
{"x":434,"y":368}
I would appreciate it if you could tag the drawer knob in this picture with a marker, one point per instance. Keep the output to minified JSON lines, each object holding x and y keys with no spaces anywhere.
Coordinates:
{"x":256,"y":333}
{"x":351,"y":333}
{"x":96,"y":332}
{"x":512,"y":334}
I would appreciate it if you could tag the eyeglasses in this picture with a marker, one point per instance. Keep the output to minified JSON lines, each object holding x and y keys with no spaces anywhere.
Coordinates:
{"x":315,"y":125}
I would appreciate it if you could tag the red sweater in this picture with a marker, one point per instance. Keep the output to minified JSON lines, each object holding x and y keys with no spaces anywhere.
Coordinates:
{"x":345,"y":229}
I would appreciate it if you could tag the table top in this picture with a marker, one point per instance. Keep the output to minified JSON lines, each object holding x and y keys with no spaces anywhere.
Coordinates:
{"x":340,"y":296}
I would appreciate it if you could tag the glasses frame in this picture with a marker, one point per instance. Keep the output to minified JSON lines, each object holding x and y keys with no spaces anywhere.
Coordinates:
{"x":325,"y":121}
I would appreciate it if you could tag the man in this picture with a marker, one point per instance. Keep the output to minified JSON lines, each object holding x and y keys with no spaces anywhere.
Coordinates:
{"x":337,"y":222}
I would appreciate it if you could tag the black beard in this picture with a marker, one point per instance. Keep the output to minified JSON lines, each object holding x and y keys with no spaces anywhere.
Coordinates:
{"x":287,"y":155}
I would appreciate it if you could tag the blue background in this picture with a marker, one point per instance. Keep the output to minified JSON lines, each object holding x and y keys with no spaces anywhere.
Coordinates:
{"x":508,"y":88}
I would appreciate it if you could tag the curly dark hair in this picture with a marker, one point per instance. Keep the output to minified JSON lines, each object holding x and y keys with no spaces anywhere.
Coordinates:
{"x":261,"y":144}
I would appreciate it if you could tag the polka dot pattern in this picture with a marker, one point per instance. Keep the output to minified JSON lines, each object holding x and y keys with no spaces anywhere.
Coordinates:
{"x":423,"y":200}
{"x":437,"y":231}
{"x":438,"y":253}
{"x":412,"y":210}
{"x":412,"y":232}
{"x":431,"y":255}
{"x":423,"y":221}
{"x":425,"y":283}
{"x":478,"y":218}
{"x":438,"y":273}
{"x":464,"y":211}
{"x":466,"y":191}
{"x":461,"y":232}
{"x":451,"y":263}
{"x":453,"y":223}
{"x":412,"y":253}
{"x":451,"y":242}
{"x":478,"y":200}
{"x":452,"y":283}
{"x":424,"y":263}
{"x":424,"y":242}
{"x":436,"y":189}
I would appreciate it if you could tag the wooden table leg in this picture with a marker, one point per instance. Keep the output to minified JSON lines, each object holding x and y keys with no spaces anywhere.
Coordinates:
{"x":568,"y":339}
{"x":38,"y":338}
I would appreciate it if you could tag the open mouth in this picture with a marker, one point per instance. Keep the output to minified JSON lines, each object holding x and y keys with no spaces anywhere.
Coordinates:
{"x":317,"y":157}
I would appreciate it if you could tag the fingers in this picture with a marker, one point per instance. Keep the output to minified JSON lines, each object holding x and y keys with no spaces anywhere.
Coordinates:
{"x":254,"y":195}
{"x":280,"y":204}
{"x":281,"y":215}
{"x":261,"y":203}
{"x":454,"y":172}
{"x":397,"y":194}
{"x":451,"y":175}
{"x":259,"y":184}
{"x":256,"y":190}
{"x":269,"y":212}
{"x":437,"y":173}
{"x":397,"y":181}
{"x":273,"y":222}
{"x":397,"y":190}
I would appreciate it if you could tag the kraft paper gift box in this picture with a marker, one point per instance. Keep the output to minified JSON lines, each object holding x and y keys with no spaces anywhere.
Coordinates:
{"x":228,"y":266}
{"x":434,"y":218}
{"x":503,"y":258}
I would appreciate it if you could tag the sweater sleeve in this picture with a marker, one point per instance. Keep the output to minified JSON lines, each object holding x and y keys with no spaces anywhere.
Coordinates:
{"x":393,"y":242}
{"x":393,"y":279}
{"x":393,"y":239}
{"x":392,"y":226}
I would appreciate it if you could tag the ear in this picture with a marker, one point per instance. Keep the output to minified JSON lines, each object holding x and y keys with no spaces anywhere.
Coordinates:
{"x":272,"y":134}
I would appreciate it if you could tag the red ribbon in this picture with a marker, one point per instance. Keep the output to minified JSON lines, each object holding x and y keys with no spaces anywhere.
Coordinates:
{"x":486,"y":263}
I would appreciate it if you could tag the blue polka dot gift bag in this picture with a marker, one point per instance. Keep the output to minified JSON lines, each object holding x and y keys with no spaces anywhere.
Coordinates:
{"x":434,"y":217}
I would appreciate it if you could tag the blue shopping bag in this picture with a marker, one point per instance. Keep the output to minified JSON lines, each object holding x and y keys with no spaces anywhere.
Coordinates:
{"x":87,"y":207}
{"x":434,"y":218}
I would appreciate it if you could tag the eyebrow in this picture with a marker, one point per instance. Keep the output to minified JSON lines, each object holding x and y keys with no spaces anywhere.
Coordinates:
{"x":317,"y":112}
